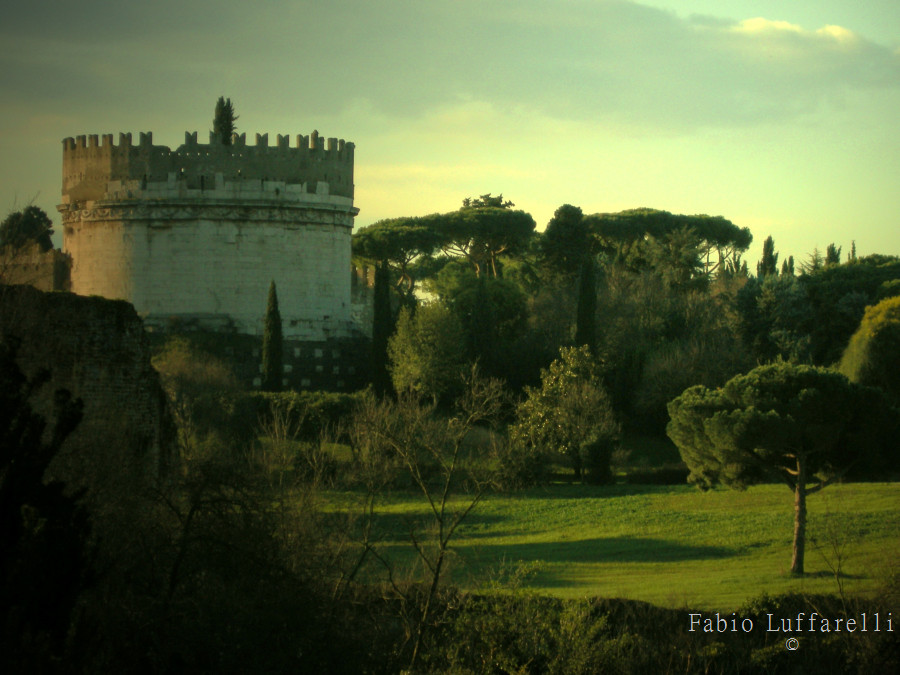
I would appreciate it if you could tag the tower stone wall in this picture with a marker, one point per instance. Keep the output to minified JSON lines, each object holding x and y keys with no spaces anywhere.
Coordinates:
{"x":196,"y":234}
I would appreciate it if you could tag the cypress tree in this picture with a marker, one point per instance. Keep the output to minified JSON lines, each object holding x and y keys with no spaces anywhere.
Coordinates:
{"x":272,"y":349}
{"x":585,"y":320}
{"x":382,"y":327}
{"x":769,"y":263}
{"x":223,"y":120}
{"x":787,"y":267}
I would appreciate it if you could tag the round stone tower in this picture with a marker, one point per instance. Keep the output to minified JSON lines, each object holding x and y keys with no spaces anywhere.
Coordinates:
{"x":197,"y":234}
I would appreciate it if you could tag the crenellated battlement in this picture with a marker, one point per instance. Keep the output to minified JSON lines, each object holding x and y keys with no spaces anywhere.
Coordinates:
{"x":92,"y":161}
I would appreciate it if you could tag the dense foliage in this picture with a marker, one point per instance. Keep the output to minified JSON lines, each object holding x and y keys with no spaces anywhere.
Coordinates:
{"x":570,"y":416}
{"x":810,"y":318}
{"x":873,"y":355}
{"x":522,"y":633}
{"x":23,"y":228}
{"x":223,"y":120}
{"x":685,"y":249}
{"x":200,"y":387}
{"x":428,"y":352}
{"x":492,"y":313}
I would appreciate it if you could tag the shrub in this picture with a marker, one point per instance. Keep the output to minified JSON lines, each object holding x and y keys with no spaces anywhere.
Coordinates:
{"x":596,"y":456}
{"x":428,"y":353}
{"x":570,"y":414}
{"x":873,"y":355}
{"x":201,"y":390}
{"x":520,"y":465}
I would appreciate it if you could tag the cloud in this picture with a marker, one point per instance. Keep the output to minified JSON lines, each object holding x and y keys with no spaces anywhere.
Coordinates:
{"x":760,"y":25}
{"x":620,"y":64}
{"x":762,"y":28}
{"x":840,"y":34}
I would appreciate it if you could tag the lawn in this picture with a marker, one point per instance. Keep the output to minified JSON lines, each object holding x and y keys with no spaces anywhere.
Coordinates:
{"x":669,"y":545}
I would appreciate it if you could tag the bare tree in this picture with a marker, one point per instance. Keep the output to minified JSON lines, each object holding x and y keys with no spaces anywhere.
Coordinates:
{"x":431,"y":449}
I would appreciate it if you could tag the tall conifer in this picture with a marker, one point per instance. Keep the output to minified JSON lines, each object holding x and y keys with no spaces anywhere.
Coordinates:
{"x":223,"y":120}
{"x":586,"y":315}
{"x":769,"y":262}
{"x":272,"y":349}
{"x":382,"y":328}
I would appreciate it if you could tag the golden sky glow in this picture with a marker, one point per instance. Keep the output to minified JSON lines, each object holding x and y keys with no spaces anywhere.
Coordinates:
{"x":779,"y":116}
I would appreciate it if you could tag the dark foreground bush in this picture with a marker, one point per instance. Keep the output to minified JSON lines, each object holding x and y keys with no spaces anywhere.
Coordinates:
{"x":308,"y":414}
{"x":531,"y":634}
{"x":262,"y":623}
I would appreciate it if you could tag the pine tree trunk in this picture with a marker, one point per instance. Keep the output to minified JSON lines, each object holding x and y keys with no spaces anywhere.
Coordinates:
{"x":799,"y":519}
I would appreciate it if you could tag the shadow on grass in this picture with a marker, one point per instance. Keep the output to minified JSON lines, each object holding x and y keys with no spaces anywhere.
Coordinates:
{"x":600,"y":550}
{"x":397,"y":525}
{"x":565,"y":490}
{"x":826,"y":574}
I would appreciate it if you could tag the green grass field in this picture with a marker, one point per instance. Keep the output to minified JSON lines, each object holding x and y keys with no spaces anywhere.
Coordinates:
{"x":669,"y":545}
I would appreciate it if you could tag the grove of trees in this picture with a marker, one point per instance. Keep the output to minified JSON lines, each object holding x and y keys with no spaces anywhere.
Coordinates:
{"x":662,"y":302}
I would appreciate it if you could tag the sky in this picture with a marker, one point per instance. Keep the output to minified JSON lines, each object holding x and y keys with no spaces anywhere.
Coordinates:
{"x":780,"y":116}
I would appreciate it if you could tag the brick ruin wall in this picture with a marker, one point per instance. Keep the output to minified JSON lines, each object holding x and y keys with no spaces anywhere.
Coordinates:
{"x":97,"y":349}
{"x":44,"y":270}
